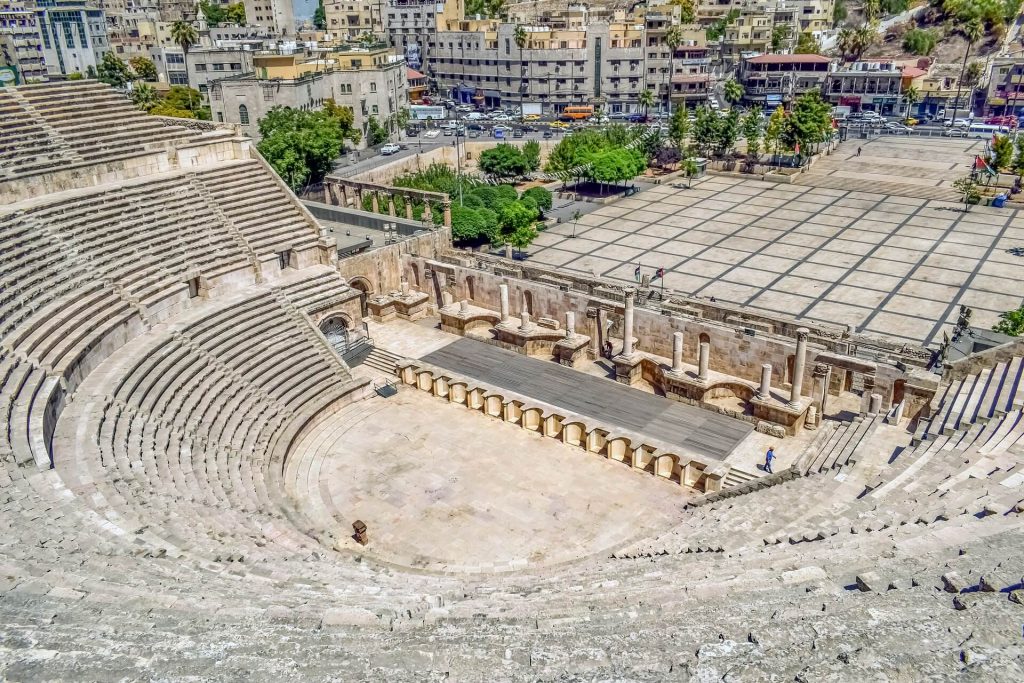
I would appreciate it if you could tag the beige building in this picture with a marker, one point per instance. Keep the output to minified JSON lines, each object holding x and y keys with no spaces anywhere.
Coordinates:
{"x":412,"y":27}
{"x":771,"y":80}
{"x":277,"y":15}
{"x":349,"y":19}
{"x":20,"y":42}
{"x":371,"y":82}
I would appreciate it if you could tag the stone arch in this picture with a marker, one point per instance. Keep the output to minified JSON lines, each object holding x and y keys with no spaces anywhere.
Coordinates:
{"x":365,"y":290}
{"x":899,"y":388}
{"x":337,"y":328}
{"x":665,"y":465}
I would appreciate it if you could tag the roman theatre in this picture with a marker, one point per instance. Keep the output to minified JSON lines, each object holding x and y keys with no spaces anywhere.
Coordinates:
{"x":240,"y":444}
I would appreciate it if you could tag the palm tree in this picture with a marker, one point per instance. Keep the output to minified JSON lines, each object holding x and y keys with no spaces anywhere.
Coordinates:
{"x":520,"y":37}
{"x":184,"y":34}
{"x":973,"y":30}
{"x":645,"y":99}
{"x":911,"y":96}
{"x":144,"y":95}
{"x":673,"y":39}
{"x":732,"y":91}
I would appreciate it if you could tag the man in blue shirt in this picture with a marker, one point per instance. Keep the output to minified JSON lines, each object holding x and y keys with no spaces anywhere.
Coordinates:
{"x":768,"y":457}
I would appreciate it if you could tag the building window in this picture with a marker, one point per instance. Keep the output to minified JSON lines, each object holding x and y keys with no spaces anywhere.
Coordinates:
{"x":268,"y":93}
{"x":200,"y":67}
{"x":178,"y":78}
{"x":373,"y":87}
{"x":220,"y":117}
{"x":243,"y":114}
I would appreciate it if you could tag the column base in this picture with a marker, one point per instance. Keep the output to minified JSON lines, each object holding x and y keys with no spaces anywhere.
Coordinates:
{"x":628,"y":369}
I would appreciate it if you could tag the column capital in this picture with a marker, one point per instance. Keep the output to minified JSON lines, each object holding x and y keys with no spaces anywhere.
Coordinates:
{"x":802,"y":333}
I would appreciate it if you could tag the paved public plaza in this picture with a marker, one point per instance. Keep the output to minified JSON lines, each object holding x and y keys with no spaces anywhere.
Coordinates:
{"x":884,"y":264}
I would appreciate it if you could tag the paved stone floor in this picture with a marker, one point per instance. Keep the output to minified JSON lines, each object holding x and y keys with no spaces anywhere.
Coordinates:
{"x":445,"y":488}
{"x":884,"y":264}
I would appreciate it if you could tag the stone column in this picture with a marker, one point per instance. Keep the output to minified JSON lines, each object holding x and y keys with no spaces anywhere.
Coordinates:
{"x":344,"y":194}
{"x":765,"y":392}
{"x":508,"y":250}
{"x":503,"y":301}
{"x":627,"y":326}
{"x":427,"y":215}
{"x":447,"y":206}
{"x":570,"y":324}
{"x":677,"y":352}
{"x":359,"y":198}
{"x":798,"y":366}
{"x":376,"y":202}
{"x":404,"y":287}
{"x":463,"y":306}
{"x":702,"y":366}
{"x":408,"y":207}
{"x":525,"y":324}
{"x":875,"y":406}
{"x":391,"y":205}
{"x":447,"y":299}
{"x":593,"y":331}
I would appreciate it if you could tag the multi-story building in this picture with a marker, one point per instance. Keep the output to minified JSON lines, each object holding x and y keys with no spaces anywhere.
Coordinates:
{"x":74,"y":35}
{"x":412,"y":27}
{"x":756,"y":22}
{"x":1004,"y":94}
{"x":689,"y":69}
{"x":771,"y":80}
{"x":21,"y":45}
{"x":277,"y":15}
{"x":208,"y":64}
{"x":349,"y":19}
{"x":869,"y":86}
{"x":370,"y":81}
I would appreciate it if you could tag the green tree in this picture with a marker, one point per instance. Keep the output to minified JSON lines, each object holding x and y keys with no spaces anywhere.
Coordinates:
{"x":185,"y":35}
{"x":687,"y":10}
{"x":806,"y":44}
{"x":1018,"y":162}
{"x":143,"y":68}
{"x":969,"y":189}
{"x":503,"y":161}
{"x":541,"y":197}
{"x":680,"y":128}
{"x":235,"y":13}
{"x":188,"y":99}
{"x":780,"y":34}
{"x":973,"y":31}
{"x":345,"y":120}
{"x":716,"y":30}
{"x":673,"y":39}
{"x":689,"y":168}
{"x":911,"y":96}
{"x":612,"y":166}
{"x":163,"y":108}
{"x":705,"y":129}
{"x":531,"y":155}
{"x":320,"y":20}
{"x":513,"y":218}
{"x":1011,"y":323}
{"x":839,"y":12}
{"x":774,"y":130}
{"x":375,"y":132}
{"x":919,"y":41}
{"x":113,"y":71}
{"x":733,"y":91}
{"x":872,"y":10}
{"x":144,"y":96}
{"x":646,"y":100}
{"x":810,"y":122}
{"x":523,"y":237}
{"x":521,"y":37}
{"x":212,"y":12}
{"x":300,"y":145}
{"x":728,"y":131}
{"x":1002,"y":151}
{"x":751,"y":127}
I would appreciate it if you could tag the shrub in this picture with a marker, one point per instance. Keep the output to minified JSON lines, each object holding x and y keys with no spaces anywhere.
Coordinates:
{"x":541,"y":196}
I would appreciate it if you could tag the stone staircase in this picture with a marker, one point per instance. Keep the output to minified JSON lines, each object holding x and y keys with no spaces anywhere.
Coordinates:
{"x":383,"y":360}
{"x":841,"y":448}
{"x":975,"y":399}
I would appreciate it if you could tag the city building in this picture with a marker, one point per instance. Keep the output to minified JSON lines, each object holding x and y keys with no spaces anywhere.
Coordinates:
{"x":371,"y":81}
{"x":417,"y":85}
{"x":689,"y":70}
{"x":1003,"y":94}
{"x":208,"y":64}
{"x":21,"y":46}
{"x":277,"y":15}
{"x":867,"y":86}
{"x":412,"y":27}
{"x":773,"y":79}
{"x":74,"y":35}
{"x":349,"y":19}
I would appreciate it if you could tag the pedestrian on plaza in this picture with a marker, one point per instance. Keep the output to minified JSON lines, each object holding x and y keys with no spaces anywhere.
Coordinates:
{"x":768,"y":457}
{"x":858,"y":151}
{"x":608,"y":350}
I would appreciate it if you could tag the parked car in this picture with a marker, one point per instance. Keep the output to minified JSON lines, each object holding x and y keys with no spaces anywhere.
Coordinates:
{"x":713,"y":103}
{"x":501,"y":117}
{"x":504,"y":129}
{"x":955,"y":132}
{"x":957,"y":123}
{"x":448,"y":132}
{"x":474,"y":133}
{"x":548,"y":135}
{"x":1008,"y":120}
{"x":897,"y":128}
{"x":618,"y":115}
{"x":474,"y":116}
{"x":638,"y":118}
{"x":518,"y":133}
{"x":531,"y":117}
{"x":474,"y":126}
{"x":389,"y":149}
{"x":412,"y":131}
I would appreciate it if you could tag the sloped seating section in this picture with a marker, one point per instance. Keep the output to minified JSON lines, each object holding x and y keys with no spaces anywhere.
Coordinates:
{"x":979,"y":397}
{"x":52,"y":126}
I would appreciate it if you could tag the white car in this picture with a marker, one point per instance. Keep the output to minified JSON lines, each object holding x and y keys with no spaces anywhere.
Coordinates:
{"x":897,"y":128}
{"x":389,"y":149}
{"x":501,"y":117}
{"x":432,"y":133}
{"x":474,"y":116}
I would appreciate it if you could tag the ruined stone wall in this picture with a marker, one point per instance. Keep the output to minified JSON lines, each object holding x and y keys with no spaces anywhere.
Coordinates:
{"x":382,"y":269}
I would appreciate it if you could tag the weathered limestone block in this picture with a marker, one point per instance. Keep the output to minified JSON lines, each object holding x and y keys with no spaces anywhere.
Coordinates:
{"x":953,"y":582}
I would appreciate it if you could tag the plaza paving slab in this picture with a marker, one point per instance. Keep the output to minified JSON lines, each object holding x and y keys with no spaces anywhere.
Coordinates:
{"x":884,"y":264}
{"x":444,"y":488}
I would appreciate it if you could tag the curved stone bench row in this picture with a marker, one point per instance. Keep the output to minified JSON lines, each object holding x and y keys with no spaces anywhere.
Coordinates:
{"x":639,"y":452}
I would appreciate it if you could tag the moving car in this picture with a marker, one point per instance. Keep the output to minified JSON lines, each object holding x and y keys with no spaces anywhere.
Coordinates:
{"x":897,"y":128}
{"x":389,"y":149}
{"x":518,"y":133}
{"x":638,"y":118}
{"x":955,"y":132}
{"x":531,"y":117}
{"x":548,"y":135}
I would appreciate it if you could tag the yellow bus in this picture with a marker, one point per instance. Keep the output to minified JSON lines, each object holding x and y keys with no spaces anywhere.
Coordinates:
{"x":576,"y":113}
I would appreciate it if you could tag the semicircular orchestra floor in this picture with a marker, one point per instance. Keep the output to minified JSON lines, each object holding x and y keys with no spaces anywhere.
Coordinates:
{"x":447,"y":489}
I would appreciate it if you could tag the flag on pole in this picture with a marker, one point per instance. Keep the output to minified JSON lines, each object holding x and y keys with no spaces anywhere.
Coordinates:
{"x":636,"y":273}
{"x":660,"y":273}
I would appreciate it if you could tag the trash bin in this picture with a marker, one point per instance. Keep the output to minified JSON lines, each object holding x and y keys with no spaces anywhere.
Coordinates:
{"x":999,"y":201}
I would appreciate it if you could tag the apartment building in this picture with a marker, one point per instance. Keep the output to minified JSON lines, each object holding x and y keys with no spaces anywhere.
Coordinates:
{"x":870,"y":86}
{"x":73,"y":35}
{"x":371,"y":81}
{"x":412,"y":26}
{"x":349,"y":19}
{"x":276,"y":15}
{"x":1004,"y":94}
{"x":689,"y":68}
{"x":774,"y":79}
{"x":21,"y":45}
